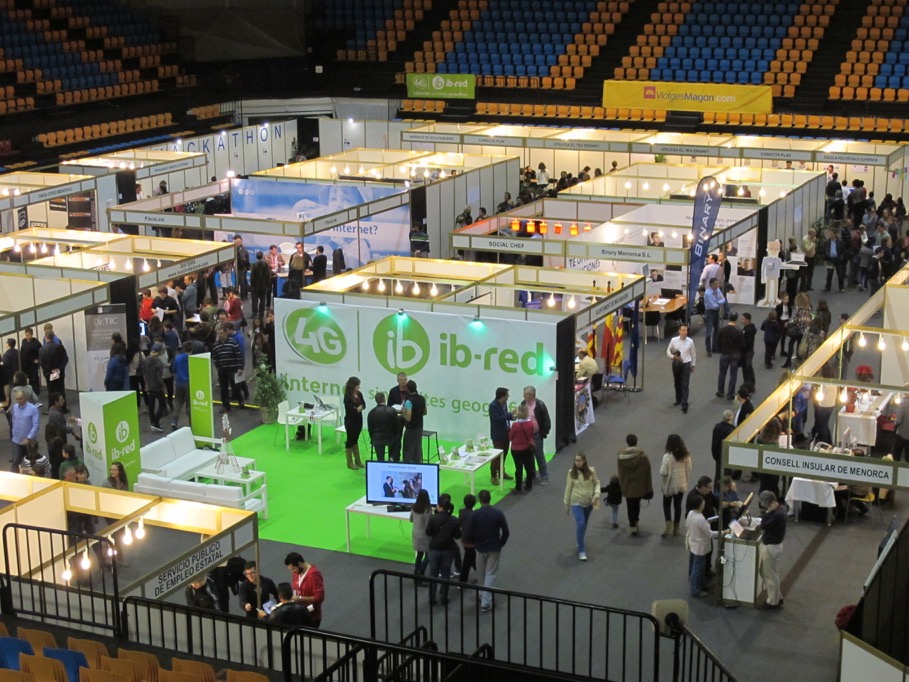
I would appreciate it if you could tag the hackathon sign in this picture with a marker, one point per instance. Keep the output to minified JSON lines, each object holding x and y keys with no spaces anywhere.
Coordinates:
{"x":442,"y":86}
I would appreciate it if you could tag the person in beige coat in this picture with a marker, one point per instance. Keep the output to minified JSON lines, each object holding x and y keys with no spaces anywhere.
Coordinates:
{"x":674,"y":471}
{"x":582,"y":494}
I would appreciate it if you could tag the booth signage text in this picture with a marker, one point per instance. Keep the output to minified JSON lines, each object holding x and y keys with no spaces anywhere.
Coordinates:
{"x":665,"y":96}
{"x":622,"y":252}
{"x":494,"y":141}
{"x":430,"y":137}
{"x":505,"y":244}
{"x":684,"y":149}
{"x":861,"y":469}
{"x":612,"y":303}
{"x":776,"y":154}
{"x":442,"y":85}
{"x":174,"y":576}
{"x":580,"y":145}
{"x":855,"y":159}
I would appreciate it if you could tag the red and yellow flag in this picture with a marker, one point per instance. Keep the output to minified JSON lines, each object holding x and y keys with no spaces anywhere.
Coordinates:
{"x":592,"y":343}
{"x":618,"y":335}
{"x":606,"y":347}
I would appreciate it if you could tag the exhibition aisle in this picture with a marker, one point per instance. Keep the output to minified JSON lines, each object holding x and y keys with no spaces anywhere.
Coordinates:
{"x":308,"y":495}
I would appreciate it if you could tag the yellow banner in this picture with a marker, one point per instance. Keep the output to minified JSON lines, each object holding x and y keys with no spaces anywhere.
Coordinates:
{"x":745,"y":99}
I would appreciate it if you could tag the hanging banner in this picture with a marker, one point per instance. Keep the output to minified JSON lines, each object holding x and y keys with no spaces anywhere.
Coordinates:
{"x":583,"y":407}
{"x":110,"y":433}
{"x":665,"y":96}
{"x":442,"y":85}
{"x":201,"y":408}
{"x":703,"y":220}
{"x":100,"y":323}
{"x":456,"y":361}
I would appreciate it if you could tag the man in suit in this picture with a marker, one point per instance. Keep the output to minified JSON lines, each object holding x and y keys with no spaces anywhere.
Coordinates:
{"x":320,"y":265}
{"x":388,"y":488}
{"x":382,"y":424}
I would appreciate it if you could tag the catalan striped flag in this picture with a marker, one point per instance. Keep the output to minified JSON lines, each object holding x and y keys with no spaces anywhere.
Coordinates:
{"x":606,"y":348}
{"x":592,"y":343}
{"x":618,"y":335}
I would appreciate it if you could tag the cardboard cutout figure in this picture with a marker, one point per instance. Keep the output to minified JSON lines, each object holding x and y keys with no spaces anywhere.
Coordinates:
{"x":771,"y":267}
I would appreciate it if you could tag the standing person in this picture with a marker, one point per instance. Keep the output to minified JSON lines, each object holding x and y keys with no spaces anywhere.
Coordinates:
{"x":773,"y":525}
{"x":713,"y":300}
{"x":443,"y":531}
{"x":396,"y":396}
{"x":784,"y":316}
{"x":582,"y":494}
{"x":798,"y":325}
{"x":749,"y":333}
{"x":382,"y":424}
{"x":674,"y":471}
{"x":901,"y":432}
{"x":153,"y":373}
{"x":470,"y":551}
{"x":499,"y":423}
{"x":487,"y":529}
{"x":613,"y":492}
{"x":699,"y":545}
{"x":167,"y":305}
{"x":300,"y":264}
{"x":414,"y":411}
{"x":181,"y":386}
{"x":539,"y":415}
{"x":116,"y":377}
{"x":276,"y":264}
{"x":809,"y":248}
{"x":241,"y":388}
{"x":353,"y":422}
{"x":835,"y":260}
{"x":23,"y":429}
{"x":721,"y":431}
{"x":54,"y":359}
{"x":228,"y":361}
{"x":824,"y":405}
{"x":731,"y":344}
{"x":847,"y":347}
{"x":635,"y":479}
{"x":29,"y":359}
{"x":420,"y":514}
{"x":771,"y":329}
{"x":234,"y":308}
{"x":307,"y":584}
{"x":681,"y":351}
{"x":242,"y":260}
{"x":10,"y":367}
{"x":260,"y":284}
{"x":320,"y":265}
{"x":703,"y":490}
{"x":520,"y":436}
{"x":250,"y":601}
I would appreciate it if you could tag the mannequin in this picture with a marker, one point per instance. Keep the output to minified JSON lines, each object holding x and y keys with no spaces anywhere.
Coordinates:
{"x":771,"y":267}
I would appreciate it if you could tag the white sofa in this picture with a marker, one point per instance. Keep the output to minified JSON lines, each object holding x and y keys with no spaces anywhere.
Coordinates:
{"x":176,"y":455}
{"x":210,"y":493}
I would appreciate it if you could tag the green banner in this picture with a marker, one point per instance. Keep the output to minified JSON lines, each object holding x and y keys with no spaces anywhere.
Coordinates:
{"x":201,"y":408}
{"x":442,"y":85}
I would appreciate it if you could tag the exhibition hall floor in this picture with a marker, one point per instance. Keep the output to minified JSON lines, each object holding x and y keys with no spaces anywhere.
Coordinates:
{"x":823,"y":567}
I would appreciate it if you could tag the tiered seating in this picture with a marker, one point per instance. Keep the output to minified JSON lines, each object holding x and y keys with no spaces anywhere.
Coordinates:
{"x":420,"y":106}
{"x":570,"y":112}
{"x":865,"y":124}
{"x":379,"y":26}
{"x":756,"y":42}
{"x":512,"y":44}
{"x":202,"y":113}
{"x":99,"y":131}
{"x":877,"y":66}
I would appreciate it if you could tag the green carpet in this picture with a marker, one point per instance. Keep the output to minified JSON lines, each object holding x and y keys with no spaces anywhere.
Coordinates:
{"x":308,"y":493}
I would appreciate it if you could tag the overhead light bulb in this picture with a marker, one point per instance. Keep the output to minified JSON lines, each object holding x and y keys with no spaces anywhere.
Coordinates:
{"x":145,"y":266}
{"x":844,"y":395}
{"x":334,"y":170}
{"x":862,"y":342}
{"x":56,"y":249}
{"x":660,"y":233}
{"x":881,"y":344}
{"x":17,"y":248}
{"x":99,"y":261}
{"x":551,"y":300}
{"x":361,"y":170}
{"x":740,"y":191}
{"x":128,"y":264}
{"x":67,"y":574}
{"x":665,"y":186}
{"x":404,"y":170}
{"x":628,"y":184}
{"x":646,"y":185}
{"x":416,"y":289}
{"x":32,"y":248}
{"x":426,"y":173}
{"x":158,"y":263}
{"x":381,"y":286}
{"x":819,"y":394}
{"x":365,"y":285}
{"x":399,"y":288}
{"x":127,"y":535}
{"x":43,"y":247}
{"x":675,"y":235}
{"x":442,"y":175}
{"x":86,"y":562}
{"x":346,"y":170}
{"x":898,"y":398}
{"x":762,"y":193}
{"x":140,"y":531}
{"x":904,"y":346}
{"x":628,"y":231}
{"x":110,"y":548}
{"x":571,"y":303}
{"x":643,"y":231}
{"x":433,"y":290}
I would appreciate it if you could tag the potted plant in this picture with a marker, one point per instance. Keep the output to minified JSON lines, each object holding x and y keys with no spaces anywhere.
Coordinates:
{"x":268,"y":394}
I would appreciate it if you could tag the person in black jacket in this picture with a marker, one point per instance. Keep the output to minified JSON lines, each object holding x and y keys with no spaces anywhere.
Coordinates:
{"x":319,"y":264}
{"x":835,"y":259}
{"x":249,"y":593}
{"x":382,"y":424}
{"x":443,"y":529}
{"x":54,"y":359}
{"x":542,"y":424}
{"x":28,"y":359}
{"x":243,"y":265}
{"x":226,"y":580}
{"x":288,"y":613}
{"x":720,"y":432}
{"x":198,"y":596}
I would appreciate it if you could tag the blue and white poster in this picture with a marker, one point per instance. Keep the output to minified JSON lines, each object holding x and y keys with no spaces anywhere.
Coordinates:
{"x":706,"y":209}
{"x":371,"y":238}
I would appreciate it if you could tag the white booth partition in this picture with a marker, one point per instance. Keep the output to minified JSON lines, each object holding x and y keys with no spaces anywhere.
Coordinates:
{"x":146,"y":168}
{"x":56,"y":200}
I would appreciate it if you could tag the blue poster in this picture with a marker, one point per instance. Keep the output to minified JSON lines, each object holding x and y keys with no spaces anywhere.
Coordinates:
{"x":372,"y":238}
{"x":706,"y":210}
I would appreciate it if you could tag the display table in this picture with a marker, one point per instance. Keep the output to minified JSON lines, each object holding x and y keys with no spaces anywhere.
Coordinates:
{"x":370,"y":511}
{"x":863,"y":422}
{"x":740,"y":574}
{"x":819,"y":493}
{"x":312,"y":415}
{"x":663,"y":307}
{"x":250,"y":484}
{"x":470,"y":464}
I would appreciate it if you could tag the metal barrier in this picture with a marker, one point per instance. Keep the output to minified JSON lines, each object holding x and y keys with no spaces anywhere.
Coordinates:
{"x":693,"y":661}
{"x":547,"y":634}
{"x":60,"y":577}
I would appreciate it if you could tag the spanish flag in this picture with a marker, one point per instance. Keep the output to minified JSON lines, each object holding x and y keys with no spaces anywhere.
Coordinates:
{"x":618,"y":336}
{"x":606,"y":348}
{"x":592,"y":343}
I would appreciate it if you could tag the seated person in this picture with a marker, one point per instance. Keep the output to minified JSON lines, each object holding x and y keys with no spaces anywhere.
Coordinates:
{"x":587,"y":366}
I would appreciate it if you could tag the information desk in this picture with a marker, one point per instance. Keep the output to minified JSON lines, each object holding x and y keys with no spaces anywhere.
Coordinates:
{"x":819,"y":493}
{"x":371,"y":511}
{"x":304,"y":416}
{"x":740,"y":572}
{"x":471,"y":463}
{"x":863,"y":422}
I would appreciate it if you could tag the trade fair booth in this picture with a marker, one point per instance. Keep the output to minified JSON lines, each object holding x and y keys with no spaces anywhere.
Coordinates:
{"x":419,"y":316}
{"x":56,"y":200}
{"x":366,"y":217}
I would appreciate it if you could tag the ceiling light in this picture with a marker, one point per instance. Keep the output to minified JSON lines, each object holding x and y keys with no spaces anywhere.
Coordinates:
{"x":346,"y":170}
{"x":904,"y":346}
{"x":646,"y":185}
{"x":127,"y":535}
{"x":128,"y":264}
{"x":399,"y":288}
{"x":862,"y":343}
{"x":145,"y":266}
{"x":140,"y":531}
{"x":86,"y":562}
{"x":365,"y":285}
{"x":551,"y":300}
{"x":44,"y":247}
{"x":628,"y":184}
{"x":32,"y":248}
{"x":381,"y":286}
{"x":819,"y":394}
{"x":416,"y":289}
{"x":571,"y":303}
{"x":665,"y":186}
{"x":844,"y":395}
{"x":433,"y":290}
{"x":881,"y":344}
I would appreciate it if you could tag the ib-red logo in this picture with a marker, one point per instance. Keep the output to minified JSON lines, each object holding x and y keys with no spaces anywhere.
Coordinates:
{"x":649,"y":92}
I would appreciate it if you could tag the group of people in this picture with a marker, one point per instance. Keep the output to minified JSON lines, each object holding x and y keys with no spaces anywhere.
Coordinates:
{"x":395,"y":424}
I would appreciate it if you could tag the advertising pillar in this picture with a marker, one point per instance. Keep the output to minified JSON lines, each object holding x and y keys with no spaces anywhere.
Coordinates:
{"x":100,"y":323}
{"x":201,"y":408}
{"x":110,"y":429}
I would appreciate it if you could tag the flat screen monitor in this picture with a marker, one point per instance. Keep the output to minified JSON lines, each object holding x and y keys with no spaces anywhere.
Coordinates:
{"x":670,"y":293}
{"x":399,"y":482}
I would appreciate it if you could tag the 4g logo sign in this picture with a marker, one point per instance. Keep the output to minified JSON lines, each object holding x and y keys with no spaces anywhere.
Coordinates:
{"x":315,"y":336}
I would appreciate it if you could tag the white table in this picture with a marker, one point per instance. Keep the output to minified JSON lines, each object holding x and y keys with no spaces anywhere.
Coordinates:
{"x":819,"y":493}
{"x":862,"y":422}
{"x":470,"y":468}
{"x":312,"y":414}
{"x":370,"y":511}
{"x":248,"y":484}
